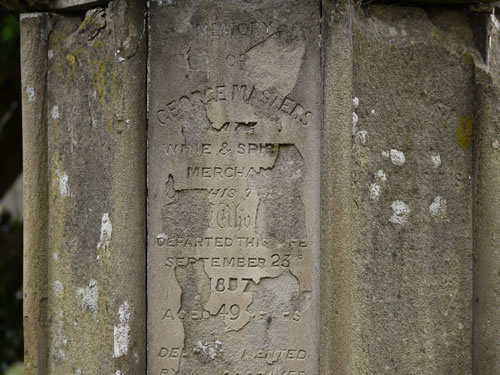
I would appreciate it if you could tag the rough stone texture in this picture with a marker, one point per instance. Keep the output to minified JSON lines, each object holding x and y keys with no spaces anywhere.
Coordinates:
{"x":75,"y":4}
{"x":438,"y":2}
{"x":34,"y":42}
{"x":92,"y":103}
{"x":405,"y":163}
{"x":412,"y":187}
{"x":233,"y":170}
{"x":21,"y":6}
{"x":487,"y":212}
{"x":336,"y":281}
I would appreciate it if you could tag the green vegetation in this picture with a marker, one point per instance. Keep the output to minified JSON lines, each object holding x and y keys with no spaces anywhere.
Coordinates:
{"x":11,"y":234}
{"x":11,"y":296}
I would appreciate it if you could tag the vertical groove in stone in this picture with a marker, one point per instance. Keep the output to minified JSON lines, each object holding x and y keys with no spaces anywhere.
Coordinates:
{"x":34,"y":31}
{"x":486,"y":306}
{"x":335,"y":356}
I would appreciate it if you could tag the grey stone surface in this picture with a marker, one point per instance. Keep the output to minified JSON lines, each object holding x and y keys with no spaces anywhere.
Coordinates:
{"x":34,"y":45}
{"x":75,"y":4}
{"x":336,"y":333}
{"x":486,"y":303}
{"x":90,"y":127}
{"x":233,"y":170}
{"x":412,"y":129}
{"x":436,"y":2}
{"x":319,"y":201}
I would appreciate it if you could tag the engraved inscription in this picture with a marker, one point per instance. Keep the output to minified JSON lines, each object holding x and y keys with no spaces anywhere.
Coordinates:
{"x":233,"y":189}
{"x":241,"y":94}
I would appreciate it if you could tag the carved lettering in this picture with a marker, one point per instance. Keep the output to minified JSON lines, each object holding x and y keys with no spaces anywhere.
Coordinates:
{"x":233,"y":153}
{"x":266,"y":99}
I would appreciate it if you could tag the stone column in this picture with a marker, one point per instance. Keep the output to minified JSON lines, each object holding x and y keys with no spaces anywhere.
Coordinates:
{"x":486,"y":354}
{"x":412,"y":188}
{"x":84,"y":87}
{"x":336,"y":333}
{"x":34,"y":47}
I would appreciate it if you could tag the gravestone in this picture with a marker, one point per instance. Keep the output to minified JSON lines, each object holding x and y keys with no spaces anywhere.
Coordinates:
{"x":233,"y":208}
{"x":261,"y":187}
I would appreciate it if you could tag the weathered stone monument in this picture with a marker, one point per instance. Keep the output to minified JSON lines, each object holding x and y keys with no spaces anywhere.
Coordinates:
{"x":250,"y":187}
{"x":233,"y":170}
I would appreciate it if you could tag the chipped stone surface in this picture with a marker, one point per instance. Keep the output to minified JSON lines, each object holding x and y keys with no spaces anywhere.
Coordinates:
{"x":438,"y":207}
{"x":90,"y":298}
{"x":397,"y":157}
{"x":121,"y":332}
{"x":436,"y":160}
{"x":208,"y":351}
{"x":400,"y":212}
{"x":30,"y":91}
{"x":105,"y":236}
{"x":234,"y":120}
{"x":234,"y":253}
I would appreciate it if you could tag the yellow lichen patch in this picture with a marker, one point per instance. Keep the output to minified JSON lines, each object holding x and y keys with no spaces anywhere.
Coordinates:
{"x":100,"y":81}
{"x":435,"y":34}
{"x":110,"y":126}
{"x":468,"y":59}
{"x":464,"y":132}
{"x":72,"y":61}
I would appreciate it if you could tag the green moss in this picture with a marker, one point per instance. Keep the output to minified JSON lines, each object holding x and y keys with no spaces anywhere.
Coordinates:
{"x":464,"y":132}
{"x":468,"y":59}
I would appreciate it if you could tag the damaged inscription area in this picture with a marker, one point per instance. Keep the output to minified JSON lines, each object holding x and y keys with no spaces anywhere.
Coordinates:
{"x":234,"y":238}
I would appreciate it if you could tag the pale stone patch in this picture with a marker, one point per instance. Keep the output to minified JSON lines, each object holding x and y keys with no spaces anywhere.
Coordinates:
{"x":282,"y":63}
{"x":362,"y":136}
{"x":397,"y":157}
{"x":436,"y":160}
{"x":208,"y":351}
{"x":24,"y":16}
{"x":58,"y":288}
{"x":105,"y":236}
{"x":400,"y":214}
{"x":55,"y":112}
{"x":50,"y":54}
{"x":437,"y":208}
{"x":161,"y":238}
{"x":355,"y":102}
{"x":164,"y":2}
{"x":30,"y":91}
{"x":63,"y":183}
{"x":59,"y":340}
{"x":120,"y":58}
{"x":375,"y":191}
{"x":381,"y":175}
{"x":495,"y":22}
{"x":90,"y":298}
{"x":355,"y":120}
{"x":121,"y":333}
